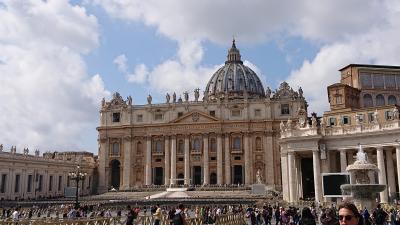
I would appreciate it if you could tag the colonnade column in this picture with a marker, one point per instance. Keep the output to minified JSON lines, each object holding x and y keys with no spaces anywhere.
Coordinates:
{"x":167,"y":161}
{"x":398,"y":163}
{"x":127,"y":164}
{"x":292,"y":175}
{"x":343,"y":160}
{"x":247,"y":166}
{"x":382,"y":173}
{"x":148,"y":161}
{"x":391,"y":183}
{"x":219,"y":159}
{"x":317,"y":175}
{"x":285,"y":176}
{"x":173,"y":159}
{"x":187,"y":168}
{"x":206,"y":175}
{"x":227,"y":160}
{"x":103,"y":159}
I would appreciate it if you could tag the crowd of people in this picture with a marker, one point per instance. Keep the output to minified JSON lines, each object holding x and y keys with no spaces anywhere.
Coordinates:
{"x":345,"y":214}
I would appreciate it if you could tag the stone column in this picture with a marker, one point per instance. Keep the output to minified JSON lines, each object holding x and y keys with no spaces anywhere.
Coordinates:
{"x":292,"y":177}
{"x":167,"y":161}
{"x":219,"y":159}
{"x":206,"y":172}
{"x":382,"y":173}
{"x":247,"y":166}
{"x":103,"y":160}
{"x":127,"y":164}
{"x":317,"y":175}
{"x":148,"y":162}
{"x":227,"y":160}
{"x":285,"y":177}
{"x":268,"y":159}
{"x":390,"y":174}
{"x":187,"y":157}
{"x":343,"y":160}
{"x":173,"y":159}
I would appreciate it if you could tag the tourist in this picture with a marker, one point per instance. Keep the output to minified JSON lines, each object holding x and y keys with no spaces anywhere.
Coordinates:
{"x":306,"y":217}
{"x":366,"y":216}
{"x":157,"y":215}
{"x":179,"y":217}
{"x":329,"y":217}
{"x":349,"y":215}
{"x":379,"y":215}
{"x":15,"y":214}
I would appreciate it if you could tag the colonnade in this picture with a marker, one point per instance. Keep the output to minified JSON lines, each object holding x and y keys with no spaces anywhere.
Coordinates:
{"x":291,"y":174}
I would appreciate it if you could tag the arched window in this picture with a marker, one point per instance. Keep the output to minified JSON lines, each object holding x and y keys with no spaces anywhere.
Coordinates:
{"x":213,"y":145}
{"x":392,"y":100}
{"x":258,"y":144}
{"x":115,"y":149}
{"x":367,"y":99}
{"x":380,"y":100}
{"x":181,"y":147}
{"x":237,"y":143}
{"x":139,"y":148}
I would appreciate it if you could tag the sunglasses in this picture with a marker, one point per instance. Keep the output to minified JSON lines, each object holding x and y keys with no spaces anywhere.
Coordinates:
{"x":346,"y":217}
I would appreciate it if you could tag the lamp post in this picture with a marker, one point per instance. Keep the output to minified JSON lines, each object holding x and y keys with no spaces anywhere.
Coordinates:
{"x":77,"y":175}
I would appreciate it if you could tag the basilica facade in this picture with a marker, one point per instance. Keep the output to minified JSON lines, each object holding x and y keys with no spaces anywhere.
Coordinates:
{"x":223,"y":137}
{"x":363,"y":110}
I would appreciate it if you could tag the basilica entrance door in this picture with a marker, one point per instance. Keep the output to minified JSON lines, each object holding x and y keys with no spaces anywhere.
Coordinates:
{"x":181,"y":178}
{"x":158,"y":176}
{"x":237,"y":174}
{"x":197,"y":175}
{"x":115,"y":173}
{"x":307,"y":177}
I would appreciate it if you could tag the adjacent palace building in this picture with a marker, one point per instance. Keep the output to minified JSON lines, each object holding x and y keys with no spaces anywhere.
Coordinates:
{"x":236,"y":133}
{"x":225,"y":138}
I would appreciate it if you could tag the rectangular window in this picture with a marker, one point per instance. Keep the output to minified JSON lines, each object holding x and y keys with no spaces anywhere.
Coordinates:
{"x":237,"y":157}
{"x":366,"y":81}
{"x":213,"y":158}
{"x":116,"y":117}
{"x":40,"y":187}
{"x":212,"y":113}
{"x":51,"y":183}
{"x":139,"y":118}
{"x":180,"y":159}
{"x":388,"y":115}
{"x":59,"y":183}
{"x":180,"y":114}
{"x":235,"y":112}
{"x":371,"y":117}
{"x":390,"y":81}
{"x":257,"y":113}
{"x":332,"y":121}
{"x":158,"y":116}
{"x":3,"y":183}
{"x":346,"y":120}
{"x":29,"y":187}
{"x":17,"y":182}
{"x":285,"y":109}
{"x":338,"y":99}
{"x":378,"y":81}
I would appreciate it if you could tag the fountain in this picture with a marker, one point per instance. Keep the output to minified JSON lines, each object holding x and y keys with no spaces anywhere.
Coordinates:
{"x":363,"y":187}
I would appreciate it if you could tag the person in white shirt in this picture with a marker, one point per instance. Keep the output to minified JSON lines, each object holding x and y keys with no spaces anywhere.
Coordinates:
{"x":15,"y":214}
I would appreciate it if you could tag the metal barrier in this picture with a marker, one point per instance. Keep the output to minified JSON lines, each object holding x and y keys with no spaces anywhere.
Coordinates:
{"x":226,"y":219}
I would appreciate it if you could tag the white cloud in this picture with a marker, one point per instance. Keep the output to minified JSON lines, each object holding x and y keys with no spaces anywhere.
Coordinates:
{"x":354,"y":31}
{"x":138,"y":76}
{"x":48,"y":100}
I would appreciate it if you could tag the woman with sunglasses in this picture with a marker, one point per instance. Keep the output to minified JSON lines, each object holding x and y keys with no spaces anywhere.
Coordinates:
{"x":349,"y":214}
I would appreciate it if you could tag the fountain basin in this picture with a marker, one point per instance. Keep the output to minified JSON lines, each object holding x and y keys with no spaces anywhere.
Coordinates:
{"x":361,"y":166}
{"x":362,"y":190}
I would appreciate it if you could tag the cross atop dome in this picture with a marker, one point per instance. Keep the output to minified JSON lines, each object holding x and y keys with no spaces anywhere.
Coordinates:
{"x":233,"y":54}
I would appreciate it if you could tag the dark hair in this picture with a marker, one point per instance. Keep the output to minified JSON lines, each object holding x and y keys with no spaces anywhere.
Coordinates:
{"x":306,"y":213}
{"x":180,"y":206}
{"x":350,"y":206}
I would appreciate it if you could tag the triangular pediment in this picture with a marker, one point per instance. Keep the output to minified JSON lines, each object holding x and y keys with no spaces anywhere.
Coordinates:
{"x":195,"y":117}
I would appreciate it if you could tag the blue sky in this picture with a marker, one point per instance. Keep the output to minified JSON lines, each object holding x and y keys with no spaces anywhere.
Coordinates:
{"x":59,"y":58}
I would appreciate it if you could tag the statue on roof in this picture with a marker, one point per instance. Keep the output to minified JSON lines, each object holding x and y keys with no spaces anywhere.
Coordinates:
{"x":103,"y":102}
{"x":167,"y":98}
{"x":1,"y":147}
{"x":196,"y":94}
{"x":186,"y":96}
{"x":174,"y":97}
{"x":300,"y":92}
{"x":268,"y":93}
{"x":129,"y":99}
{"x":149,"y":99}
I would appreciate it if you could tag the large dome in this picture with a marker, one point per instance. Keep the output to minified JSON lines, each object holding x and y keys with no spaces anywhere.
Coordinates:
{"x":234,"y":80}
